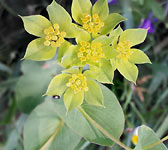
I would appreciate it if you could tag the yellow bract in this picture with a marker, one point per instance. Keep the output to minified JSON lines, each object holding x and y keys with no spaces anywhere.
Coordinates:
{"x":90,"y":52}
{"x":92,"y":24}
{"x":53,"y":36}
{"x":78,"y":83}
{"x":135,"y":139}
{"x":124,"y":49}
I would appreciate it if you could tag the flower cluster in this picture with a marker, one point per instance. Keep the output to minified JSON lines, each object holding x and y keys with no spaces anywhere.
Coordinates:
{"x":53,"y":36}
{"x":101,"y":45}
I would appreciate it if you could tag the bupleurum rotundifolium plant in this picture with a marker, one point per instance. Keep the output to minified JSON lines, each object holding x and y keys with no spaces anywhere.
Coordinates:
{"x":99,"y":45}
{"x":101,"y":48}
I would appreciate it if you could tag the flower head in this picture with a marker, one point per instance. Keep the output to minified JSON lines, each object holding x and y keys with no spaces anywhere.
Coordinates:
{"x":78,"y":82}
{"x":51,"y":33}
{"x":53,"y":37}
{"x":90,"y":52}
{"x":76,"y":86}
{"x":95,"y":53}
{"x":93,"y":19}
{"x":127,"y":56}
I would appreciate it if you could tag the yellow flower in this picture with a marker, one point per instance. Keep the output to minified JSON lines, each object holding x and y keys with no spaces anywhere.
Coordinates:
{"x":95,"y":19}
{"x":76,"y":87}
{"x":127,"y":56}
{"x":78,"y":83}
{"x":51,"y":32}
{"x":90,"y":52}
{"x":135,"y":136}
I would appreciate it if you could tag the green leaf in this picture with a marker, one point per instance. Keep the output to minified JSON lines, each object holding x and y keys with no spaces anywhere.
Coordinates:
{"x":146,"y":137}
{"x":79,"y":8}
{"x":45,"y":131}
{"x":134,"y":36}
{"x":58,"y":84}
{"x":139,"y":57}
{"x":72,"y":100}
{"x":36,"y":24}
{"x":58,"y":15}
{"x":36,"y":50}
{"x":33,"y":84}
{"x":94,"y":95}
{"x":110,"y":118}
{"x":127,"y":69}
{"x":13,"y":141}
{"x":101,"y":8}
{"x":110,"y":22}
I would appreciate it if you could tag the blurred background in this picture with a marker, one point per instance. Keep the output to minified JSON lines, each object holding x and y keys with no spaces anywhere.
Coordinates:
{"x":23,"y":82}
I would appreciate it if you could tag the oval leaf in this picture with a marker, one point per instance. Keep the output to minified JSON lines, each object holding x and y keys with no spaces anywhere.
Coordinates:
{"x":146,"y":137}
{"x":110,"y":118}
{"x":45,"y":131}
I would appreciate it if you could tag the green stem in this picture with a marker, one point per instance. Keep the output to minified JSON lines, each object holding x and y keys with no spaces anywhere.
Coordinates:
{"x":138,"y":113}
{"x":103,"y":130}
{"x":156,"y":143}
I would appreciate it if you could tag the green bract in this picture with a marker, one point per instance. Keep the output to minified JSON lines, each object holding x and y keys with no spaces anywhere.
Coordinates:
{"x":76,"y":87}
{"x":127,"y":56}
{"x":95,"y":19}
{"x":51,"y":33}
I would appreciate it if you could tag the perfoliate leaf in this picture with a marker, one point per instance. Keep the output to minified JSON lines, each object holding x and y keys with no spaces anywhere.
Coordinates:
{"x":33,"y":84}
{"x":36,"y":24}
{"x":94,"y":94}
{"x":44,"y":130}
{"x":58,"y":15}
{"x":127,"y":69}
{"x":79,"y":8}
{"x":146,"y":137}
{"x":101,"y":8}
{"x":134,"y":36}
{"x":72,"y":100}
{"x":139,"y":57}
{"x":58,"y":85}
{"x":110,"y":22}
{"x":36,"y":50}
{"x":110,"y":118}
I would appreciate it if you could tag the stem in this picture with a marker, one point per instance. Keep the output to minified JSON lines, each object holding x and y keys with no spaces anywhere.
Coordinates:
{"x":103,"y":130}
{"x":156,"y":143}
{"x":138,"y":113}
